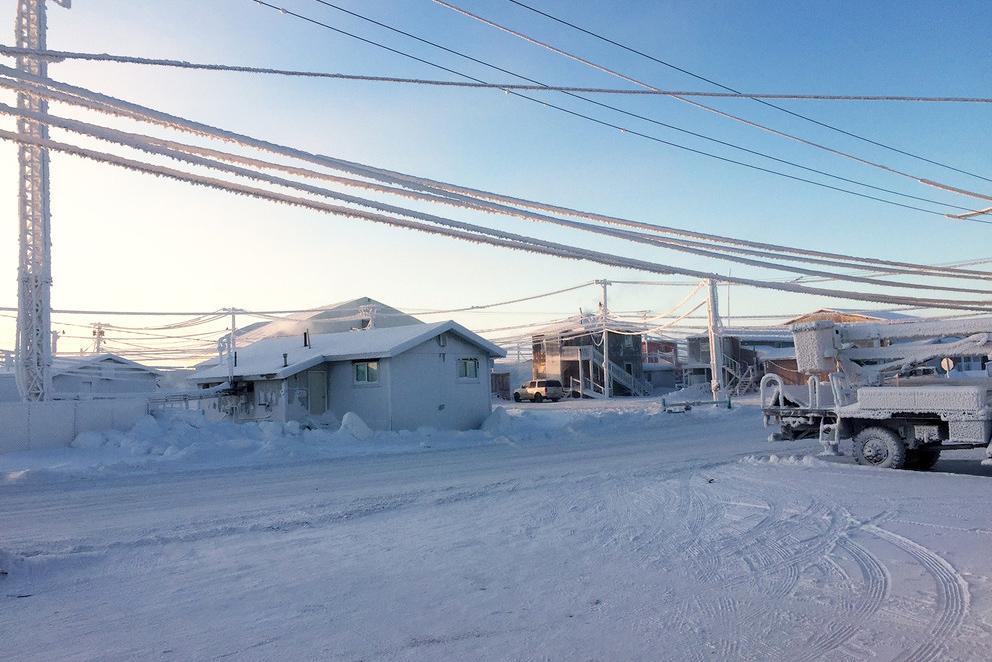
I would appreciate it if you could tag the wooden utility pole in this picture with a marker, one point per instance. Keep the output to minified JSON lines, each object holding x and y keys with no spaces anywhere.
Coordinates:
{"x":715,"y":341}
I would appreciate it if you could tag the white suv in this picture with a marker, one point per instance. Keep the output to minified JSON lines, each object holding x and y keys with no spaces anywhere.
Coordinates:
{"x":539,"y":390}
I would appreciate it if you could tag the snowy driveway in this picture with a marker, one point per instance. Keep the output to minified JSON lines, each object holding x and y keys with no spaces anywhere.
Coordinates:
{"x":679,"y":542}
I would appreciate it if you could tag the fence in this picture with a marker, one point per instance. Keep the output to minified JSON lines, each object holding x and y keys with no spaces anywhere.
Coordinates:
{"x":54,"y":424}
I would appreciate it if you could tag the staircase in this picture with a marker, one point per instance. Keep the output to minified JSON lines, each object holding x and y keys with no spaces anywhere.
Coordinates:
{"x":620,"y":376}
{"x":739,"y":378}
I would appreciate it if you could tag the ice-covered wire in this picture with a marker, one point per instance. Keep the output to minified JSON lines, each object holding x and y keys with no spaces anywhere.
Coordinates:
{"x":702,"y":106}
{"x":757,"y":99}
{"x":601,"y":122}
{"x":57,"y":56}
{"x":135,"y":142}
{"x":480,"y":234}
{"x":103,"y":103}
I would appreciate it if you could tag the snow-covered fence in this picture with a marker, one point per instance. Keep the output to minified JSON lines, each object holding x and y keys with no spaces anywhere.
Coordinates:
{"x":54,"y":424}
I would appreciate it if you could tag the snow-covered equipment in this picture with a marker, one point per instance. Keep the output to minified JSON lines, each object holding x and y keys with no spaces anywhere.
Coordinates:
{"x":877,"y":384}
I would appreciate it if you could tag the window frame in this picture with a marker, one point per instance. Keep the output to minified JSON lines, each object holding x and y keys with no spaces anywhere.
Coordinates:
{"x":466,"y":361}
{"x":367,"y":363}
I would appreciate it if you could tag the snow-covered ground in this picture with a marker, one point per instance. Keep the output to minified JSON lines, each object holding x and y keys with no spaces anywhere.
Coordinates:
{"x":575,"y":530}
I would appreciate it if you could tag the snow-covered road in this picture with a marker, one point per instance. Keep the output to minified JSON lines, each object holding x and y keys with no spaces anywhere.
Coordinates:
{"x":677,"y":541}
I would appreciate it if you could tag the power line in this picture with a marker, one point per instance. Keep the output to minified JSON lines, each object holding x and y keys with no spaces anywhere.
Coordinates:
{"x":183,"y":64}
{"x":458,"y":194}
{"x":697,"y":248}
{"x":623,"y":129}
{"x":755,"y":97}
{"x":483,"y":235}
{"x":711,"y":109}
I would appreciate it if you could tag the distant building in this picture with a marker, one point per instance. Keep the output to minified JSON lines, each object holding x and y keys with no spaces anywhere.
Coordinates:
{"x":90,"y":376}
{"x":395,"y":378}
{"x":661,"y":363}
{"x":572,"y":352}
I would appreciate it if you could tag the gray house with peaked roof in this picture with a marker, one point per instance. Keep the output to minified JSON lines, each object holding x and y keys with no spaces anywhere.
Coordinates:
{"x":395,"y":378}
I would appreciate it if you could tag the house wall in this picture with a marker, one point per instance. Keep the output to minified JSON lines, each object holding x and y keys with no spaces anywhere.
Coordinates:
{"x":103,"y":380}
{"x":426,"y":391}
{"x":371,"y":402}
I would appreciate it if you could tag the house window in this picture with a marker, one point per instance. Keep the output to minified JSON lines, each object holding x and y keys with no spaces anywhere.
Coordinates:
{"x":468,"y":368}
{"x":366,"y":372}
{"x":628,"y":341}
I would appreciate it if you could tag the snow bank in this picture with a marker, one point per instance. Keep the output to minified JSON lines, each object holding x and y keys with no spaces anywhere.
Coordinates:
{"x":179,"y":440}
{"x":789,"y":460}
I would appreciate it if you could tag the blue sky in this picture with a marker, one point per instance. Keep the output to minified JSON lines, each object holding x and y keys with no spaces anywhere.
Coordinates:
{"x":122,"y":240}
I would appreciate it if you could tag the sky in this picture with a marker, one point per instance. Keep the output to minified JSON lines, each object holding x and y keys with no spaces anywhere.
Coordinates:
{"x":127,"y":241}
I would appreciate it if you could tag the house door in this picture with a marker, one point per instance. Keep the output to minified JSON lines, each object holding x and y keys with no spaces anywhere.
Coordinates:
{"x":628,"y":368}
{"x":317,"y":388}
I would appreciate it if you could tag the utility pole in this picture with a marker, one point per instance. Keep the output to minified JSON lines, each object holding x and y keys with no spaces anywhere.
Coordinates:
{"x":715,"y":341}
{"x":98,"y":333}
{"x":607,"y":382}
{"x":231,"y":348}
{"x":33,"y":348}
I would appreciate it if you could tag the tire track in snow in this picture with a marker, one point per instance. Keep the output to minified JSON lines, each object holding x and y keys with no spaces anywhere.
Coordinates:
{"x":876,"y":588}
{"x":953,"y":598}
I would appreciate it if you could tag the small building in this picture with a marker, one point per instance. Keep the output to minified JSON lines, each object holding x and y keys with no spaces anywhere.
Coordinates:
{"x":572,"y":352}
{"x":742,"y":350}
{"x":90,"y":376}
{"x":395,"y":378}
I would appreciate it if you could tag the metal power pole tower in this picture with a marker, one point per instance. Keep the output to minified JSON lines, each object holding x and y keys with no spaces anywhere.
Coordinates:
{"x":98,"y":334}
{"x":34,"y":278}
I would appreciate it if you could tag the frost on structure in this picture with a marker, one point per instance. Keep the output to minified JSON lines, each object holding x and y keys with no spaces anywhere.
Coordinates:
{"x":924,"y":398}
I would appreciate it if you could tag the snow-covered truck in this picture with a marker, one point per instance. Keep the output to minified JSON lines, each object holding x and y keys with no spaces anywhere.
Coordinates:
{"x":872,"y":383}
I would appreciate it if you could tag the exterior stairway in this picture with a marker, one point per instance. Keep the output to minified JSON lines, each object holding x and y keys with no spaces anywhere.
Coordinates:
{"x":617,"y":374}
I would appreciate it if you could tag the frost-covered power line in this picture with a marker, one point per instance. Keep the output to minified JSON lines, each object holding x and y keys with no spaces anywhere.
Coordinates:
{"x":611,"y":125}
{"x":758,"y":98}
{"x":57,"y":56}
{"x":711,"y":109}
{"x":483,"y":235}
{"x":467,"y":196}
{"x":129,"y":140}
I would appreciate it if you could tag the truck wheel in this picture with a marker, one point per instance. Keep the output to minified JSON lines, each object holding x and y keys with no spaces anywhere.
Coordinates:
{"x":922,"y":459}
{"x":516,"y":397}
{"x":880,"y":447}
{"x":538,"y":397}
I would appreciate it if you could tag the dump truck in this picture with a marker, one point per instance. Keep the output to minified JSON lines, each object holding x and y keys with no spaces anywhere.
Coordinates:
{"x":877,"y":384}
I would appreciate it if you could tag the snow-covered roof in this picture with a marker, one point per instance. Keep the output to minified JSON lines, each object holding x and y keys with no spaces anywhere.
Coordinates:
{"x":751,"y":335}
{"x":582,"y":324}
{"x":766,"y":353}
{"x":851,"y":315}
{"x":70,"y":363}
{"x":332,"y":318}
{"x":64,"y":364}
{"x":265,"y":356}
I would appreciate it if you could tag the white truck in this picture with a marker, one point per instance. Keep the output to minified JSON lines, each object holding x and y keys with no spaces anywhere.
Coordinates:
{"x":869,"y":382}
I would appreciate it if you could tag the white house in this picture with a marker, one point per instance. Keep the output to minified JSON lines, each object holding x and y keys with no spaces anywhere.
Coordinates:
{"x":395,"y":378}
{"x":90,"y":376}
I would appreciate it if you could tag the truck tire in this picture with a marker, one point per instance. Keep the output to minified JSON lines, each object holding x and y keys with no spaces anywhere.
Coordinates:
{"x":538,"y":397}
{"x":880,"y":447}
{"x":922,"y":459}
{"x":516,"y":397}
